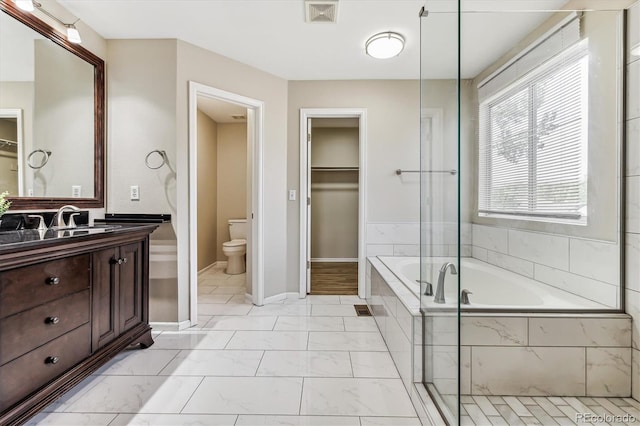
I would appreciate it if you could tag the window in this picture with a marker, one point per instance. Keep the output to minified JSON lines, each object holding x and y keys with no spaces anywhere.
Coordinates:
{"x":533,"y":143}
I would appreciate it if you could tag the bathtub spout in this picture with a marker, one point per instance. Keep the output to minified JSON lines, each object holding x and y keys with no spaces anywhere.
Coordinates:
{"x":439,"y":298}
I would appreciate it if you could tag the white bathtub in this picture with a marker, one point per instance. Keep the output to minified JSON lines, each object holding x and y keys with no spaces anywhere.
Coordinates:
{"x":492,"y":287}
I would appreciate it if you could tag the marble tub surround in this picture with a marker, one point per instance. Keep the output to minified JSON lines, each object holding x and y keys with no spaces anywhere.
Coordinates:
{"x":588,"y":268}
{"x":505,"y":354}
{"x":546,"y":356}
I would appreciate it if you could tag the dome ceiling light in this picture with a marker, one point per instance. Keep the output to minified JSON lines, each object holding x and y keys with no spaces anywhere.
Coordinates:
{"x":384,"y":45}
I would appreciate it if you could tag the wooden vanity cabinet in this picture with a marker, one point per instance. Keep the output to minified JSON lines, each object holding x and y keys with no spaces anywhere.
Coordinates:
{"x":117,"y":291}
{"x":66,"y":308}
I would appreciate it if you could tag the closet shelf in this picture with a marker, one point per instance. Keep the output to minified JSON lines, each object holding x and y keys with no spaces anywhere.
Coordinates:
{"x":335,"y":169}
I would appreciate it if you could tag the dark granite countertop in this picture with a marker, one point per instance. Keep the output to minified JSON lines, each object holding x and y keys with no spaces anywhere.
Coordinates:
{"x":31,"y":238}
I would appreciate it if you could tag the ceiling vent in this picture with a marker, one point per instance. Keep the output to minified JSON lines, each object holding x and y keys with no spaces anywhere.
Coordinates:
{"x":325,"y":11}
{"x":238,"y":116}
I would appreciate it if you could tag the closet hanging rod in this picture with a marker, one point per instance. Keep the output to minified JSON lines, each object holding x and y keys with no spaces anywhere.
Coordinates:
{"x":7,"y":142}
{"x":334,"y":169}
{"x":451,"y":172}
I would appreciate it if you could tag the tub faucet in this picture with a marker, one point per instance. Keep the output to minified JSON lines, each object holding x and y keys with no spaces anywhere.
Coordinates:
{"x":60,"y":216}
{"x":439,"y":298}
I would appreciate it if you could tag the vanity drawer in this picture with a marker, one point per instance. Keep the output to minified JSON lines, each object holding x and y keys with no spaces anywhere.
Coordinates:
{"x":23,"y":375}
{"x":29,"y":329}
{"x":26,"y":287}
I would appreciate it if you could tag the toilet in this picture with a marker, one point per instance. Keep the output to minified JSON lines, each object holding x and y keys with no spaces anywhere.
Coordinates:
{"x":237,"y":247}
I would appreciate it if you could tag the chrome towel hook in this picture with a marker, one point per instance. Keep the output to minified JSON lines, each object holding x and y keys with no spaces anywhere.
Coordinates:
{"x":161,"y":153}
{"x":45,"y":158}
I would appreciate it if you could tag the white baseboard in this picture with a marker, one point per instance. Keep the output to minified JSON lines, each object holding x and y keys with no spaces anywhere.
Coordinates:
{"x":218,"y":263}
{"x":279,"y":297}
{"x":335,"y":260}
{"x":248,"y":298}
{"x":170,"y":326}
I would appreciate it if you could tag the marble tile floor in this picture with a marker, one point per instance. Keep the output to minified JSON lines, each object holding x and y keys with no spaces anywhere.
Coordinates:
{"x":547,"y":411}
{"x":297,"y":362}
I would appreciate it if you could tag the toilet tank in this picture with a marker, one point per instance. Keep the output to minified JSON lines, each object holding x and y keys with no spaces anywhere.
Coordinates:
{"x":238,"y":229}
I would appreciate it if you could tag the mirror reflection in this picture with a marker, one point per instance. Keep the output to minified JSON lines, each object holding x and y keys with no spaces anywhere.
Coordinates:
{"x":46,"y":116}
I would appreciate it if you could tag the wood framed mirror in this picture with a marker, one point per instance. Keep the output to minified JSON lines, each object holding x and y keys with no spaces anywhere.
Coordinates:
{"x":59,"y":87}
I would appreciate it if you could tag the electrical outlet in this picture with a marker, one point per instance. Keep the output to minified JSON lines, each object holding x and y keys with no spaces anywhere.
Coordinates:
{"x":292,"y":195}
{"x":76,"y":191}
{"x":30,"y":192}
{"x":134,"y":193}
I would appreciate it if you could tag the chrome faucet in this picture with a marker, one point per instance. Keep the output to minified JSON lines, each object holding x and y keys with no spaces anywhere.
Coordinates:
{"x":439,"y":298}
{"x":60,"y":217}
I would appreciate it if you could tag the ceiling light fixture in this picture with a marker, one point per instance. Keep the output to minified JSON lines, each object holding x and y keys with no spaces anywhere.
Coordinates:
{"x":73,"y":35}
{"x":384,"y":45}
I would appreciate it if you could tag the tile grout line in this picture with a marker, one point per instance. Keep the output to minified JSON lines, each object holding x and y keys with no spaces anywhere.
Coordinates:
{"x":191,"y":396}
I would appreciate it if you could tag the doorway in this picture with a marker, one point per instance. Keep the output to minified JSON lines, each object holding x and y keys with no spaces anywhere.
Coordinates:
{"x":332,"y":194}
{"x":238,"y":180}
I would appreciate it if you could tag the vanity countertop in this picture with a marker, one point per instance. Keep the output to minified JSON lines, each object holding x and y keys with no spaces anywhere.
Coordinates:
{"x":26,"y":239}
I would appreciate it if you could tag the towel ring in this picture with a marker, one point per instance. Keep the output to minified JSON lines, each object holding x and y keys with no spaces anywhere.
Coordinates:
{"x":45,"y":159}
{"x":161,"y":153}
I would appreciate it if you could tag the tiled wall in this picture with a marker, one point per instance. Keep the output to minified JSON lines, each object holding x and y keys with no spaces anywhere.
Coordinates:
{"x":585,"y":267}
{"x":633,"y":190}
{"x":546,"y":356}
{"x":403,"y":239}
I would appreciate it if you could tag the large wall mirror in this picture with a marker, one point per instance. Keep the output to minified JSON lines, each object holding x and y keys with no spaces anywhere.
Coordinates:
{"x":51,"y":116}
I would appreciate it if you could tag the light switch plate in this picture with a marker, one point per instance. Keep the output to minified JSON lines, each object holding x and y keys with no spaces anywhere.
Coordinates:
{"x":134,"y":193}
{"x":292,"y":195}
{"x":76,"y":191}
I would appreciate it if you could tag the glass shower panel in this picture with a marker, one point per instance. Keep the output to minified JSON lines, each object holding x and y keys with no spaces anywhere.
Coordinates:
{"x":439,"y":225}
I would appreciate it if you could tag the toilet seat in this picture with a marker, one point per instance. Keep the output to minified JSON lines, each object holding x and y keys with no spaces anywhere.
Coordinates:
{"x":235,"y":243}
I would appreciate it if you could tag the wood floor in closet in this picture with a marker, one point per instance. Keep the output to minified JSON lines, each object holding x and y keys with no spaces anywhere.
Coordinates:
{"x":334,"y":278}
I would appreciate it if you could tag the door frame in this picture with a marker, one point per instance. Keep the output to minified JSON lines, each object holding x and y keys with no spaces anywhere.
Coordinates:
{"x":361,"y":115}
{"x":255,"y":137}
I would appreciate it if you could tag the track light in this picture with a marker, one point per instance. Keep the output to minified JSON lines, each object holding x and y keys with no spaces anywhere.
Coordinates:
{"x":73,"y":35}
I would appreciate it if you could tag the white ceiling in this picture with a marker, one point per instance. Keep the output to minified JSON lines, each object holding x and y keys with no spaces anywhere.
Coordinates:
{"x":272,"y":34}
{"x":219,"y":111}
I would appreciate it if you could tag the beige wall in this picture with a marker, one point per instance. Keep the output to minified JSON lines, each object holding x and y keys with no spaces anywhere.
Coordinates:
{"x":334,"y":195}
{"x":232,"y":178}
{"x":392,"y":142}
{"x":197,"y":64}
{"x":141,"y":118}
{"x":207,"y":190}
{"x":152,"y":113}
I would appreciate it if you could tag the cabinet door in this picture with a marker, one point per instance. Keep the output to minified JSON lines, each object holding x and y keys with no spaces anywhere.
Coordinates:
{"x":106,"y":298}
{"x":130,"y":283}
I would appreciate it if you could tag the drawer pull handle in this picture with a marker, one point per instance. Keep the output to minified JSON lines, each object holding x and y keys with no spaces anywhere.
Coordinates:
{"x":52,"y":320}
{"x":52,"y":360}
{"x":119,"y":261}
{"x":53,"y":280}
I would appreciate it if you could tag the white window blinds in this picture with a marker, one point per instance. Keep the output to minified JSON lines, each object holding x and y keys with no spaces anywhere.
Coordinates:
{"x":533,"y":134}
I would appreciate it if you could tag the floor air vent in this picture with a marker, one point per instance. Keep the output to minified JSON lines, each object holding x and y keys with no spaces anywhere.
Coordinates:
{"x":362,"y":310}
{"x":321,"y":11}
